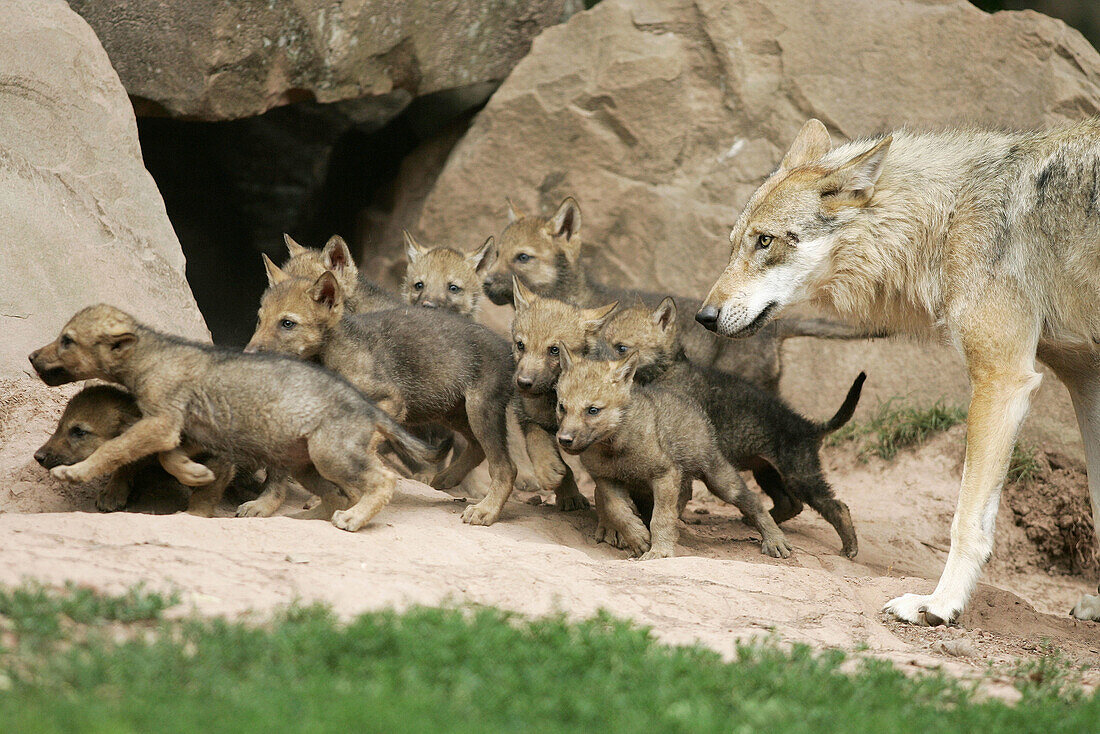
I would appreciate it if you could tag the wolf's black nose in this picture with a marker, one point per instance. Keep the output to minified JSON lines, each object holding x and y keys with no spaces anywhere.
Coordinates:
{"x":40,"y":457}
{"x":525,"y":383}
{"x":565,"y":439}
{"x":708,"y":317}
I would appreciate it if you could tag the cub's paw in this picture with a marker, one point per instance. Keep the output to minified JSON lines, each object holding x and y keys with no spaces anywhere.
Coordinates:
{"x":346,"y":520}
{"x":527,"y":483}
{"x":1088,"y":608}
{"x":776,"y":546}
{"x":570,"y":501}
{"x":652,"y":553}
{"x":480,"y":514}
{"x":255,"y":508}
{"x":112,"y":498}
{"x":194,"y":474}
{"x":72,"y":473}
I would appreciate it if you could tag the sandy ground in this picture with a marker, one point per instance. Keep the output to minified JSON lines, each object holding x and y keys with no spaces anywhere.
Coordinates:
{"x":538,"y":560}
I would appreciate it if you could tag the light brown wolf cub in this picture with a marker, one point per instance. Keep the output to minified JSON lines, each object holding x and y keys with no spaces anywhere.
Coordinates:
{"x":420,"y":365}
{"x":442,"y":277}
{"x":545,"y":254}
{"x":99,"y":413}
{"x":644,"y":445}
{"x":252,"y":409}
{"x":363,"y":294}
{"x":755,"y":430}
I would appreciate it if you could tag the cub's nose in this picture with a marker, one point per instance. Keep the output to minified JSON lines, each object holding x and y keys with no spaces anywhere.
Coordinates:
{"x":708,"y":317}
{"x":428,"y":304}
{"x":524,"y":383}
{"x":565,"y":439}
{"x":40,"y":457}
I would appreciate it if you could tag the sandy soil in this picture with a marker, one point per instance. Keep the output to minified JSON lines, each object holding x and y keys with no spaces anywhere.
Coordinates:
{"x":537,"y":560}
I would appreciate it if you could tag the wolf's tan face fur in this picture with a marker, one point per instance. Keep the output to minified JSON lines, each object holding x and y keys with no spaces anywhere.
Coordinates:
{"x":534,"y":249}
{"x":296,"y":313}
{"x":540,"y":327}
{"x":593,"y":397}
{"x":93,"y":416}
{"x":441,"y":277}
{"x":781,"y":244}
{"x":95,"y":342}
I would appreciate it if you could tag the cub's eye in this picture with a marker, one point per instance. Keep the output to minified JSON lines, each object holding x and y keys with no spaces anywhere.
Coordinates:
{"x":520,"y":346}
{"x":621,"y":348}
{"x":593,"y":410}
{"x":554,"y":350}
{"x":453,"y":288}
{"x":419,"y":285}
{"x":287,"y":324}
{"x":764,"y":241}
{"x":522,"y":257}
{"x":561,"y":408}
{"x":66,"y":341}
{"x":77,"y":432}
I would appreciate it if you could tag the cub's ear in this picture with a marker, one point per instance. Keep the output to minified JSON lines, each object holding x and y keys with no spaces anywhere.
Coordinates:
{"x":336,"y":255}
{"x":413,"y":249}
{"x":522,"y":296}
{"x":119,"y":344}
{"x":593,"y":319}
{"x":326,"y":290}
{"x":293,"y":247}
{"x":624,"y":369}
{"x":665,"y":314}
{"x":853,"y":183}
{"x":274,"y":274}
{"x":811,"y":143}
{"x":514,"y":212}
{"x":566,"y":221}
{"x":478,"y":258}
{"x":565,"y":357}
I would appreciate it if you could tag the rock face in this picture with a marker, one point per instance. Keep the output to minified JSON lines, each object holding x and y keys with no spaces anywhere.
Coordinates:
{"x":662,"y":117}
{"x":218,"y":60}
{"x":81,"y":220}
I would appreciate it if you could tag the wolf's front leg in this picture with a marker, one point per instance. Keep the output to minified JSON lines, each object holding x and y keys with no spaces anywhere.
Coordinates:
{"x":150,"y":435}
{"x":187,"y":472}
{"x":663,"y":528}
{"x":270,"y":500}
{"x":117,"y":492}
{"x":551,"y":472}
{"x":997,"y":408}
{"x":619,"y":524}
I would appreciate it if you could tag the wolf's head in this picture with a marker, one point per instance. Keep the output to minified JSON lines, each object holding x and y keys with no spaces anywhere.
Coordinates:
{"x":537,"y":250}
{"x":783,"y":241}
{"x":96,"y":343}
{"x":296,"y":314}
{"x":651,"y":333}
{"x":593,"y":397}
{"x":540,"y":327}
{"x":95,"y":415}
{"x":335,"y":256}
{"x":441,"y":277}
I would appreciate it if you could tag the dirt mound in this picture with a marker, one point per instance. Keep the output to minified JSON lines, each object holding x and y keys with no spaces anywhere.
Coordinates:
{"x":1052,"y":506}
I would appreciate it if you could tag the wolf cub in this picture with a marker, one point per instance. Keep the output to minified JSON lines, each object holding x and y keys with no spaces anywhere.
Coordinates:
{"x":442,"y":277}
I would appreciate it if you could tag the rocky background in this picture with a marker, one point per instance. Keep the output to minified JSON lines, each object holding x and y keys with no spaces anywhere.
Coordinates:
{"x":361,"y":117}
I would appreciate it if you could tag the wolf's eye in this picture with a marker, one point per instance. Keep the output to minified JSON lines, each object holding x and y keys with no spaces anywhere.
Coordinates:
{"x":763,"y":241}
{"x":593,"y":410}
{"x":287,"y":324}
{"x":561,"y":408}
{"x":77,"y":432}
{"x":66,"y":340}
{"x":419,"y":285}
{"x":554,"y":350}
{"x":621,"y":348}
{"x":520,"y":346}
{"x":453,"y":288}
{"x":522,"y":257}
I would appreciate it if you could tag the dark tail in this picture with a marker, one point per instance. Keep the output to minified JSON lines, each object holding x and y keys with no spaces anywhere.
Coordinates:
{"x":847,"y":408}
{"x":406,"y":445}
{"x":787,"y":328}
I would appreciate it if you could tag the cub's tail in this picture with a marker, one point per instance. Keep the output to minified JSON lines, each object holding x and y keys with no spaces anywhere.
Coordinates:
{"x":847,"y":408}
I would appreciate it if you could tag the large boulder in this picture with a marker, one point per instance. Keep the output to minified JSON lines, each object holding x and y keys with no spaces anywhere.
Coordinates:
{"x":662,"y":117}
{"x":218,"y":60}
{"x":81,"y":220}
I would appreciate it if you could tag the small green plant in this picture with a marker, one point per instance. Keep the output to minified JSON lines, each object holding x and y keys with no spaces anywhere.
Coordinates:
{"x":896,"y":425}
{"x":1024,"y":465}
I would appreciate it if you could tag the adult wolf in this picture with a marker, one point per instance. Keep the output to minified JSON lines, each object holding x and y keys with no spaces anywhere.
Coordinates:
{"x":989,"y":240}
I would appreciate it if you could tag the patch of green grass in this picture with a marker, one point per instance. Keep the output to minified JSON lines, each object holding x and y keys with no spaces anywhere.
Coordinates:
{"x":36,"y":612}
{"x":468,"y":670}
{"x":1024,"y":465}
{"x":897,"y":425}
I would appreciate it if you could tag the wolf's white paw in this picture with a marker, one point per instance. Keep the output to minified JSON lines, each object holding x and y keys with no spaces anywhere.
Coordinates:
{"x":480,"y":514}
{"x":653,"y":553}
{"x":194,"y":474}
{"x":346,"y":520}
{"x":1088,"y":608}
{"x":71,"y":473}
{"x":254,"y":508}
{"x":923,"y":609}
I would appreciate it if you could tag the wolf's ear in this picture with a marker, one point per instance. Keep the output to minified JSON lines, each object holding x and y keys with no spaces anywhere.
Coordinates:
{"x":811,"y":143}
{"x":593,"y":319}
{"x":478,"y":260}
{"x":336,"y":255}
{"x":274,"y":275}
{"x":326,"y":291}
{"x":293,"y":247}
{"x":854,"y":182}
{"x":565,"y":357}
{"x":624,"y":369}
{"x":413,"y":250}
{"x":665,"y":314}
{"x":120,"y":344}
{"x":522,"y":296}
{"x":566,"y":221}
{"x":514,"y":212}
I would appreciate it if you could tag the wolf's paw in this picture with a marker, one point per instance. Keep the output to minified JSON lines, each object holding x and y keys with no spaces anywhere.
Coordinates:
{"x":73,"y":473}
{"x":922,"y":609}
{"x":347,"y":520}
{"x":635,"y":540}
{"x":194,"y":474}
{"x":112,"y":498}
{"x":776,"y":546}
{"x":201,"y":509}
{"x":570,"y":501}
{"x":444,"y":480}
{"x":254,"y":508}
{"x":480,"y":514}
{"x":1088,"y":608}
{"x":527,"y":483}
{"x":653,"y":553}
